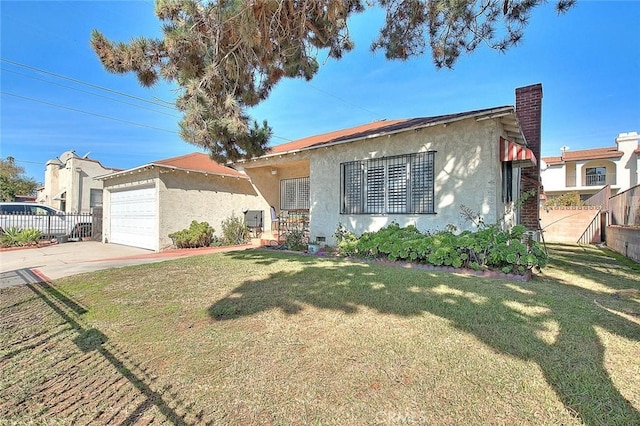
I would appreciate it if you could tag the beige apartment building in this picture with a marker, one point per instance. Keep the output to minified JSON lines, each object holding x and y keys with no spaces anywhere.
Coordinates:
{"x":69,"y":183}
{"x":587,"y":171}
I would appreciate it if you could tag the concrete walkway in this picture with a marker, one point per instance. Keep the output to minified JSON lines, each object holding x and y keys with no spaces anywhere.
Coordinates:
{"x":30,"y":265}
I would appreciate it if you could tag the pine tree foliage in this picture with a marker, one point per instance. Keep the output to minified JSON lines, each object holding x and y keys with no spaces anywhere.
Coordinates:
{"x":454,"y":27}
{"x":227,"y":55}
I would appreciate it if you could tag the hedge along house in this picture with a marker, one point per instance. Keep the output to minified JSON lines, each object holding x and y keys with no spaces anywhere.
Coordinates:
{"x":417,"y":171}
{"x":145,"y":204}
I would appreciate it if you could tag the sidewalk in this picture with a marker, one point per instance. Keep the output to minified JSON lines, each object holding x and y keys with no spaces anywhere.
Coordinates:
{"x":63,"y":260}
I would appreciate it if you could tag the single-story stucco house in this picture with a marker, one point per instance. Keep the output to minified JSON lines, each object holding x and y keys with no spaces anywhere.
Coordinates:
{"x":145,"y":204}
{"x":418,"y":171}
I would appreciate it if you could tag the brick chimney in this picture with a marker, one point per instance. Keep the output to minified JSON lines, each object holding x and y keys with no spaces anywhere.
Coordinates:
{"x":529,"y":112}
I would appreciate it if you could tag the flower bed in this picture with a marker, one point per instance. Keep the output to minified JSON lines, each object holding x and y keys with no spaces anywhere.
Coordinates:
{"x":488,"y":249}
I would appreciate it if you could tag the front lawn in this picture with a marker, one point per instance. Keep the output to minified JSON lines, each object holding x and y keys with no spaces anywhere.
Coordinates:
{"x":265,"y":337}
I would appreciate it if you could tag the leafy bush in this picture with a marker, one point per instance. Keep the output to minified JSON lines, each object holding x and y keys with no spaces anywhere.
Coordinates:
{"x":345,"y":240}
{"x":14,"y":237}
{"x":29,"y":236}
{"x":235,"y":231}
{"x":199,"y":234}
{"x":489,"y":248}
{"x":565,"y":200}
{"x":296,"y":239}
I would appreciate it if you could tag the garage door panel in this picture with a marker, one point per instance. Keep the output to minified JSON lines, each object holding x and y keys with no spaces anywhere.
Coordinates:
{"x":133,"y":218}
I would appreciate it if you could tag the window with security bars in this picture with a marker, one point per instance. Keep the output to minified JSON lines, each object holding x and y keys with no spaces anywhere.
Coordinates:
{"x":294,"y":194}
{"x":399,"y":184}
{"x":507,"y":181}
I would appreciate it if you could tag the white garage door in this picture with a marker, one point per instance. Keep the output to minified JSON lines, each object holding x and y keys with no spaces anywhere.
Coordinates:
{"x":133,"y":218}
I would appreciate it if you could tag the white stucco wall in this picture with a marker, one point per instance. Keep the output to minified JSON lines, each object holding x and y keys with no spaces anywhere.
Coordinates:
{"x":50,"y":189}
{"x":553,"y":178}
{"x":194,"y":196}
{"x":76,"y":176}
{"x":628,"y":163}
{"x":467,"y":172}
{"x":84,"y":180}
{"x":184,"y":197}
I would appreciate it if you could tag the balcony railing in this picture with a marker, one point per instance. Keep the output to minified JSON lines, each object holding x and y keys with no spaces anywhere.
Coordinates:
{"x":596,"y":180}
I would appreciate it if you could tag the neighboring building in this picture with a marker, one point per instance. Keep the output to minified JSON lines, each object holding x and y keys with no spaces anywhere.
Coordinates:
{"x":70,"y":184}
{"x":145,"y":204}
{"x":417,"y":171}
{"x":588,"y":171}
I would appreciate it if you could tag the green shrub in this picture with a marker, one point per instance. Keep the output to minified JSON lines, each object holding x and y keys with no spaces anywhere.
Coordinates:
{"x":565,"y":200}
{"x":296,"y":240}
{"x":29,"y":236}
{"x":488,"y":248}
{"x":235,"y":231}
{"x":345,"y":240}
{"x":14,"y":237}
{"x":199,"y":234}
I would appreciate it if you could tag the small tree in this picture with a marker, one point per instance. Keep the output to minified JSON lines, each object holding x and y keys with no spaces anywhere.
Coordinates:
{"x":12,"y":181}
{"x":235,"y":231}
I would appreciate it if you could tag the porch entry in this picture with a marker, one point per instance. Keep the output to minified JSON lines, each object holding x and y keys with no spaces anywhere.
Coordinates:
{"x":294,"y":207}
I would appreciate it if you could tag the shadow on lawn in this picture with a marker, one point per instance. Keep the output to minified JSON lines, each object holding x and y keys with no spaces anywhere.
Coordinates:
{"x":128,"y":395}
{"x":548,"y":321}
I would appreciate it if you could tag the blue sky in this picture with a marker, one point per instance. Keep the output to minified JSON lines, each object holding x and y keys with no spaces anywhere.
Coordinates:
{"x":588,"y":62}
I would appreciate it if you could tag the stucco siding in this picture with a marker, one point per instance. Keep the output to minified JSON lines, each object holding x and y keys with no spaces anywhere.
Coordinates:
{"x":77,"y":178}
{"x":184,"y":197}
{"x":83,"y":180}
{"x":467,"y":172}
{"x":204,"y":198}
{"x":266,"y":180}
{"x":553,"y":178}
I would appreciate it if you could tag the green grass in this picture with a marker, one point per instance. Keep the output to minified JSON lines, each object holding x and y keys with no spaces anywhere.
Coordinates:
{"x":265,"y":337}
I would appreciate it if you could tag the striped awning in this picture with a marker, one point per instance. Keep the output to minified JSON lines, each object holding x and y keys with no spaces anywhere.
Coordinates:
{"x":520,"y":155}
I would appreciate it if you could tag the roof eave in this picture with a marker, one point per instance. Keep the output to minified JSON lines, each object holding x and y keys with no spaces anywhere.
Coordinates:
{"x":483,"y":115}
{"x":166,"y":166}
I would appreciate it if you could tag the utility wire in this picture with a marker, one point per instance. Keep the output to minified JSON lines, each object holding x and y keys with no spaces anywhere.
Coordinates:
{"x":30,"y":162}
{"x":375,"y":114}
{"x":90,"y":93}
{"x":86,"y":112}
{"x":158,"y":103}
{"x":95,"y":86}
{"x":100,"y":115}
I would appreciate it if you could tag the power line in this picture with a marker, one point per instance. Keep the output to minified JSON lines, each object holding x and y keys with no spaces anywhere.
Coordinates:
{"x":86,"y":112}
{"x":90,"y":93}
{"x":30,"y":162}
{"x":375,"y":114}
{"x":162,"y":104}
{"x":102,"y":116}
{"x":95,"y":86}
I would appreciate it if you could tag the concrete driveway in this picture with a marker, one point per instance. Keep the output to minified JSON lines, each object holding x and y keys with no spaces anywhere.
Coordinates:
{"x":61,"y":260}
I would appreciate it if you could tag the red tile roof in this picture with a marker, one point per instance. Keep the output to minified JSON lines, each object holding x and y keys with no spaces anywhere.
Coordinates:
{"x":332,"y":136}
{"x":199,"y":162}
{"x":585,"y":154}
{"x":377,"y":128}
